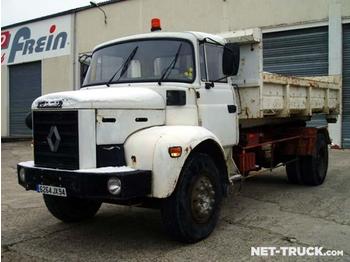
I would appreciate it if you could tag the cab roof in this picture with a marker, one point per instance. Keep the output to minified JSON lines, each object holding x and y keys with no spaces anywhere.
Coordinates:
{"x":190,"y":35}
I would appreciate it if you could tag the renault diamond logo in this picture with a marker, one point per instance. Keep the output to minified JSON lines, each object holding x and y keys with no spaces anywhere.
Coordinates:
{"x":54,"y":139}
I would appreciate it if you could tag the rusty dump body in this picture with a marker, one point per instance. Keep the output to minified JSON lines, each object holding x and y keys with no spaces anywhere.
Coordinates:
{"x":280,"y":96}
{"x":269,"y":98}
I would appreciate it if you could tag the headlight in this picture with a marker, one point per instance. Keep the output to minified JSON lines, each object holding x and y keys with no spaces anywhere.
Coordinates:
{"x":22,"y":175}
{"x":114,"y":186}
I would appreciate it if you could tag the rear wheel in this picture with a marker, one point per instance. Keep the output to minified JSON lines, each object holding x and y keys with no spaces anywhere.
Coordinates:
{"x":191,"y":212}
{"x":294,"y":172}
{"x":314,"y":168}
{"x":71,"y":209}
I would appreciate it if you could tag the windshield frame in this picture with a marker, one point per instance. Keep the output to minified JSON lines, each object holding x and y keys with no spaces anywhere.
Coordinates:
{"x":151,"y":80}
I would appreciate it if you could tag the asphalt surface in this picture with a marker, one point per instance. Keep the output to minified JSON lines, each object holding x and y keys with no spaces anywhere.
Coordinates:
{"x":266,"y":212}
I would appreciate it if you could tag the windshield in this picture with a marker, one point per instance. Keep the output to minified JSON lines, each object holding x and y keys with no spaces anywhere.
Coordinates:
{"x":148,"y":64}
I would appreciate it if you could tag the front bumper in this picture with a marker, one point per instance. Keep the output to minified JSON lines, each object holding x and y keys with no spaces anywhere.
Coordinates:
{"x":92,"y":185}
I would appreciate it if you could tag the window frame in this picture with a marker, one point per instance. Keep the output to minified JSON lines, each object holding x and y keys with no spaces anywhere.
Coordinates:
{"x":204,"y":44}
{"x":194,"y":76}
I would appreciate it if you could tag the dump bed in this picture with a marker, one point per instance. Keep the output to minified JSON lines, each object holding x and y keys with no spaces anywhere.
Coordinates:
{"x":278,"y":96}
{"x":264,"y":97}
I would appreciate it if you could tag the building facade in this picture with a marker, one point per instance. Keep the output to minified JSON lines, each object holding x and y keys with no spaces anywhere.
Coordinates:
{"x":300,"y":37}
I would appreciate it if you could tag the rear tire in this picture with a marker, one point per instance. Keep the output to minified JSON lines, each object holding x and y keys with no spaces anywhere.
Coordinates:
{"x":192,"y":211}
{"x":71,"y":209}
{"x":314,"y":168}
{"x":294,"y":172}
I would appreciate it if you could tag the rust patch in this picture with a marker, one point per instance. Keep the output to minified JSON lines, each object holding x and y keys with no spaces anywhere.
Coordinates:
{"x":133,"y":159}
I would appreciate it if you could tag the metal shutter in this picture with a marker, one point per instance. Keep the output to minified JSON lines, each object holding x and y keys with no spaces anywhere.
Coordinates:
{"x":25,"y":86}
{"x":301,"y":52}
{"x":346,"y":87}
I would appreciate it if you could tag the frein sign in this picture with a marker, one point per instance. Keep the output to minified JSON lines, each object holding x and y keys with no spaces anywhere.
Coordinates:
{"x":36,"y":41}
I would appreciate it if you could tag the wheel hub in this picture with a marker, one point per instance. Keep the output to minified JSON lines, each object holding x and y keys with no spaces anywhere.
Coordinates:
{"x":203,"y":199}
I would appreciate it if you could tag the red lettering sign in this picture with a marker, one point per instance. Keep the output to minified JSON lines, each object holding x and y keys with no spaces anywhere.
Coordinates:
{"x":5,"y":39}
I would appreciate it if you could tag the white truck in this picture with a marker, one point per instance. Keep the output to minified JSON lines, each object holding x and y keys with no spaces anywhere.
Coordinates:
{"x":170,"y":120}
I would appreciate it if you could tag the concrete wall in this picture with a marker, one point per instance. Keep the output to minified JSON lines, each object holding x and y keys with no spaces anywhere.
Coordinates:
{"x":134,"y":16}
{"x":57,"y":74}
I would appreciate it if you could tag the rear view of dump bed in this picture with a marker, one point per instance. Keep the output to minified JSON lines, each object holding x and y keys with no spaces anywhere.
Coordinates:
{"x":265,"y":97}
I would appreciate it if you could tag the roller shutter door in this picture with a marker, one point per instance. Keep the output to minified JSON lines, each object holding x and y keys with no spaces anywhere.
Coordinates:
{"x":346,"y":87}
{"x":301,"y":52}
{"x":25,"y":86}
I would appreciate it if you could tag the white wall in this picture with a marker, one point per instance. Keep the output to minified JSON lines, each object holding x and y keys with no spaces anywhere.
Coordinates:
{"x":134,"y":16}
{"x":57,"y":74}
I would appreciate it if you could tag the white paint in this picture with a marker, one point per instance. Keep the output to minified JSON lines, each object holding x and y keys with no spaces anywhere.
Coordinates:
{"x":214,"y":114}
{"x":38,"y":30}
{"x":125,"y":124}
{"x":335,"y":58}
{"x":104,"y":97}
{"x":109,"y":169}
{"x":250,"y":65}
{"x":150,"y":147}
{"x":250,"y":35}
{"x":27,"y":164}
{"x":186,"y":114}
{"x":87,"y":139}
{"x":190,"y":35}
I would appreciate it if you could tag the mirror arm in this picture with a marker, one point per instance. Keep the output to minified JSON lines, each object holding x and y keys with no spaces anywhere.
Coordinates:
{"x":219,"y":79}
{"x":209,"y":85}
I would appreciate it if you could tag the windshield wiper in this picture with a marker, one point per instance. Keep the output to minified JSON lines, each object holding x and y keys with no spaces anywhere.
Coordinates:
{"x":170,"y":66}
{"x":124,"y":67}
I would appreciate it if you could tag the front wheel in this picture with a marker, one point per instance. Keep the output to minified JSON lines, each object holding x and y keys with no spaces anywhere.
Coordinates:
{"x":191,"y":212}
{"x":69,"y":209}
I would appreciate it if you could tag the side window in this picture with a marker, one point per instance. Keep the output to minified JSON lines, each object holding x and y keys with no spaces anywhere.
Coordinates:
{"x":202,"y":64}
{"x":213,"y":55}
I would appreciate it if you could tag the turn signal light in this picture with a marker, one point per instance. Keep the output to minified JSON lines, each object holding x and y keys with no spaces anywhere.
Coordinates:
{"x":175,"y":151}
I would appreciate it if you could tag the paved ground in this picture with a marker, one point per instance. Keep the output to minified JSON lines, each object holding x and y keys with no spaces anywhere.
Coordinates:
{"x":267,"y":212}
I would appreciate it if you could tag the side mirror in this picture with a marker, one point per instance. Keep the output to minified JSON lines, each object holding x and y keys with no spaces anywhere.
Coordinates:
{"x":230,"y":59}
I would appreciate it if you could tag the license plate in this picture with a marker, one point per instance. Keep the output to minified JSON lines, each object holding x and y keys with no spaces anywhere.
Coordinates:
{"x":51,"y":190}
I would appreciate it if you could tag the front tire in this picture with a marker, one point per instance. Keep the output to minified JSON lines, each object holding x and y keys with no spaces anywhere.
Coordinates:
{"x":192,"y":211}
{"x":70,"y":209}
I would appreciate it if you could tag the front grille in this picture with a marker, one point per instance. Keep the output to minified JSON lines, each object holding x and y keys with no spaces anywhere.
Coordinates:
{"x":56,"y":141}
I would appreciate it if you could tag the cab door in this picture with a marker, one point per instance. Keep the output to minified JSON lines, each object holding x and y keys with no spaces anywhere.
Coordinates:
{"x":216,"y":103}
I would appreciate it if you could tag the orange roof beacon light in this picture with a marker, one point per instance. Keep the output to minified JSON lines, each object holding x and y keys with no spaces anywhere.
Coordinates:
{"x":155,"y":24}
